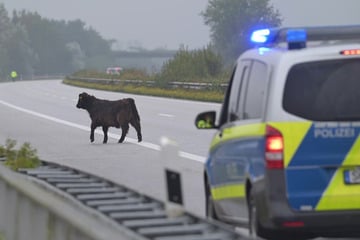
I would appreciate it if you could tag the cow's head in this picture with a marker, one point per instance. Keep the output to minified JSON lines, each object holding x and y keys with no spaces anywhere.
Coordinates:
{"x":84,"y":100}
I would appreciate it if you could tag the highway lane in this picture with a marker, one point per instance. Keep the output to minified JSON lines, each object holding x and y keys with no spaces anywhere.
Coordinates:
{"x":160,"y":116}
{"x":43,"y":113}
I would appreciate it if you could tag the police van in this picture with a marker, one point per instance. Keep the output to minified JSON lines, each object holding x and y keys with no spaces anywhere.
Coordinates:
{"x":285,"y":160}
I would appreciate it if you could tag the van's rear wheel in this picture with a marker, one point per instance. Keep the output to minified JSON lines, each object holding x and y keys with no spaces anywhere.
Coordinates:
{"x":253,"y":221}
{"x":210,"y":208}
{"x":256,"y":231}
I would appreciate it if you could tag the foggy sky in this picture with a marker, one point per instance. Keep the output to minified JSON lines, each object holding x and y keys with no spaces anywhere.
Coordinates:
{"x":171,"y":23}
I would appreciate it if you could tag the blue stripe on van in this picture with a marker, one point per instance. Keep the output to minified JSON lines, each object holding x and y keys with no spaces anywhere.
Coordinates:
{"x":315,"y":162}
{"x":230,"y":162}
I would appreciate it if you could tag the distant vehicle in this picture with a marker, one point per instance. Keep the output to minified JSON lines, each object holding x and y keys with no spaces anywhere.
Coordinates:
{"x":113,"y":70}
{"x":286,"y":158}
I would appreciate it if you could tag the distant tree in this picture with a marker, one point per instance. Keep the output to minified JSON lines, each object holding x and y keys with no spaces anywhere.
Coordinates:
{"x":189,"y":66}
{"x":78,"y":56}
{"x":63,"y":47}
{"x":231,"y":22}
{"x":5,"y":29}
{"x":31,"y":44}
{"x":89,"y":39}
{"x":47,"y":42}
{"x":22,"y":57}
{"x":15,"y":52}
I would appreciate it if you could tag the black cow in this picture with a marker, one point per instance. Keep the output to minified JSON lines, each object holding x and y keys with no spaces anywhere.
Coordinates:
{"x":107,"y":114}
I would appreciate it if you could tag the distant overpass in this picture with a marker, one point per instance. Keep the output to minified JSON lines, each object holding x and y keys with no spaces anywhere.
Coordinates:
{"x":145,"y":54}
{"x":150,"y":60}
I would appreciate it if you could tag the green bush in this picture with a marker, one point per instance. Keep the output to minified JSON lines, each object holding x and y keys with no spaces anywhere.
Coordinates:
{"x":203,"y":66}
{"x":191,"y":66}
{"x":196,"y":66}
{"x":25,"y":157}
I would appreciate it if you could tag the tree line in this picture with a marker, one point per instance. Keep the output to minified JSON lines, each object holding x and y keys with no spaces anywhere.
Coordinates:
{"x":34,"y":45}
{"x":231,"y":23}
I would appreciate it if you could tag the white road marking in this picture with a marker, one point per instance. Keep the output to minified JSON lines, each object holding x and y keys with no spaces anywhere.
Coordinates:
{"x":112,"y":135}
{"x":166,"y":115}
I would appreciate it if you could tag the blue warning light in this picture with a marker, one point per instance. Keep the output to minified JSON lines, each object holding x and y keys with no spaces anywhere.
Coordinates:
{"x":296,"y":35}
{"x":260,"y":36}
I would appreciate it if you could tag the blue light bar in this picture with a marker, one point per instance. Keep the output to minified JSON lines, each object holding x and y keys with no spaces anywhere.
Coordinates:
{"x":260,"y":36}
{"x":296,"y":38}
{"x":296,"y":35}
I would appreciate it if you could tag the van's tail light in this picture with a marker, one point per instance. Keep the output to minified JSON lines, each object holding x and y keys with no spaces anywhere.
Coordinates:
{"x":274,"y":148}
{"x":293,"y":224}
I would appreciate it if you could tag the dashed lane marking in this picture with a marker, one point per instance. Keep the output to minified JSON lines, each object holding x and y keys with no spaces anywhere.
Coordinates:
{"x":112,"y":135}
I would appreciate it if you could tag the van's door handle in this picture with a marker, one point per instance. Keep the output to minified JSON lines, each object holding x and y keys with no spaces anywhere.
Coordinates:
{"x":224,"y":131}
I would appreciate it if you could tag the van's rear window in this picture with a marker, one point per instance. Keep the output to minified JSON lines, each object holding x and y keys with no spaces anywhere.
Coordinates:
{"x":324,"y":90}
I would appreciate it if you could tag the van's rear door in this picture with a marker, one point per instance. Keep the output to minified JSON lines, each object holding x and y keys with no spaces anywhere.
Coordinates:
{"x":322,"y":153}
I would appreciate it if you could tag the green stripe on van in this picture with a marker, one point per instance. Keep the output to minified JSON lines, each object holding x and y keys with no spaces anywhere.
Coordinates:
{"x":238,"y":132}
{"x":228,"y":191}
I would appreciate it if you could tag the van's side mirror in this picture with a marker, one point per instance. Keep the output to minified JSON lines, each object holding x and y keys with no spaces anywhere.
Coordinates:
{"x":206,"y":120}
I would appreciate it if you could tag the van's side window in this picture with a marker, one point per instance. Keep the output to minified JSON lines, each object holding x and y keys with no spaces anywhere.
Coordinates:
{"x":240,"y":76}
{"x":255,"y":91}
{"x":225,"y":107}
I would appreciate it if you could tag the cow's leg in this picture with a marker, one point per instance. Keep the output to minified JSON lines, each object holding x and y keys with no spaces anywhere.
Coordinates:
{"x":137,"y":126}
{"x":105,"y":130}
{"x":125,"y":129}
{"x":93,"y":126}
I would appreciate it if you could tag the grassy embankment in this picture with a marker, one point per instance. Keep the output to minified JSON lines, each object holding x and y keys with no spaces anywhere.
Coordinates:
{"x":214,"y":94}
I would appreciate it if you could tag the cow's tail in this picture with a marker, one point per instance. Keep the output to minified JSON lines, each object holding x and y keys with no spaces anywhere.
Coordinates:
{"x":134,"y":109}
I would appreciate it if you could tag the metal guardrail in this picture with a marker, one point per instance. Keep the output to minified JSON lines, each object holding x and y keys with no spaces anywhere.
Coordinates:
{"x":188,"y":85}
{"x":54,"y":202}
{"x":89,"y":207}
{"x":44,"y":77}
{"x":30,"y":211}
{"x":146,"y":217}
{"x":33,"y":77}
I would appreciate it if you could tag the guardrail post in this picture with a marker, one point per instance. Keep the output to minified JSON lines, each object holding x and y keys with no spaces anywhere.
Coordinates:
{"x":173,"y":183}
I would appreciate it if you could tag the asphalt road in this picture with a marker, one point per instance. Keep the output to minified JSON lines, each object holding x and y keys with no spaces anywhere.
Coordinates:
{"x":44,"y":114}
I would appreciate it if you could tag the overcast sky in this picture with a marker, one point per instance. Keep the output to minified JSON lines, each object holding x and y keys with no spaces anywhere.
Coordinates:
{"x":170,"y":23}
